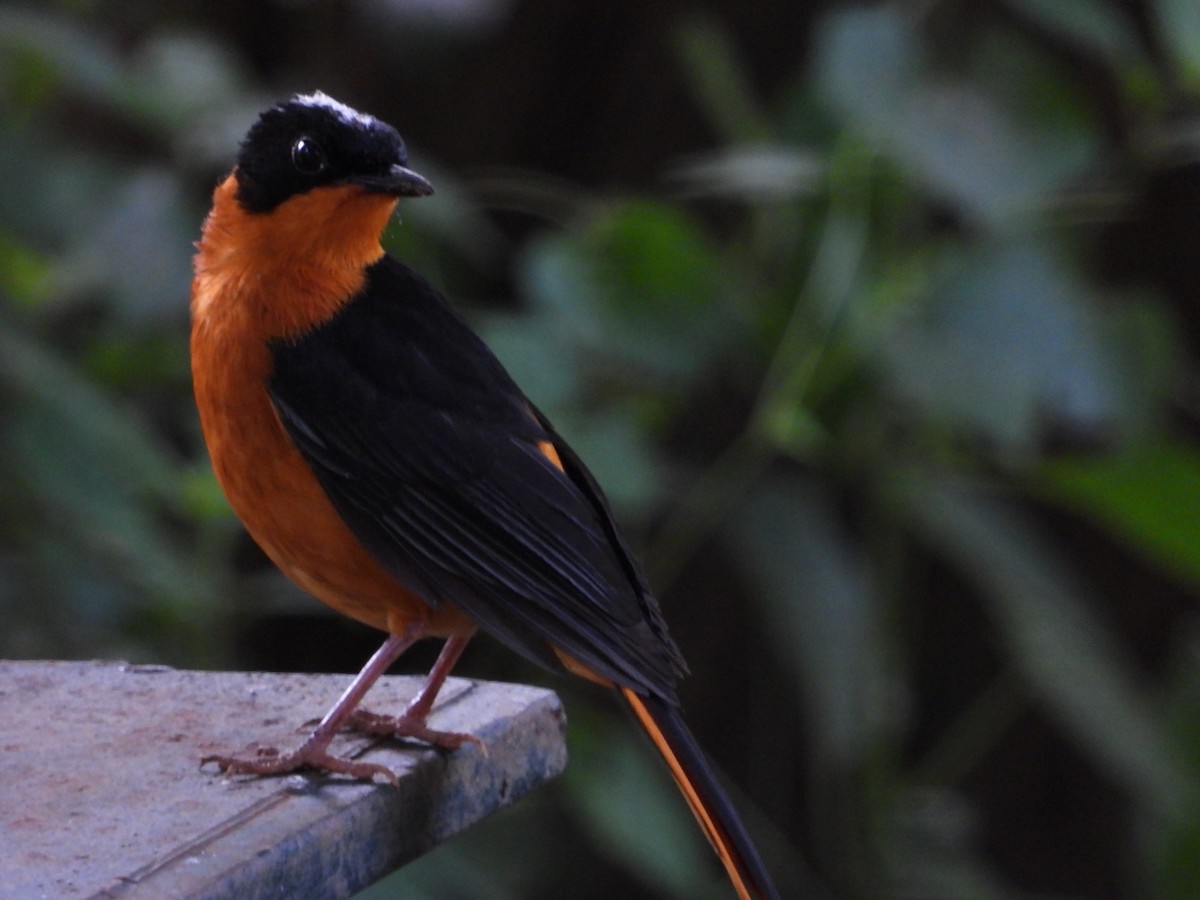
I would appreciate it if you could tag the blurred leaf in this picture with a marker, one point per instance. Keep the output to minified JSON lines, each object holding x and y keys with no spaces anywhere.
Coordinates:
{"x":207,"y":140}
{"x":1148,"y":356}
{"x":610,"y":438}
{"x":720,"y":81}
{"x":952,"y":136}
{"x":452,"y":217}
{"x":171,"y":77}
{"x":1055,"y":114}
{"x":1176,"y":874}
{"x":1179,"y":29}
{"x":1068,"y":659}
{"x":412,"y":31}
{"x":1100,"y":26}
{"x":451,"y":870}
{"x":24,"y":274}
{"x":548,"y":366}
{"x":968,"y":151}
{"x":1175,"y":845}
{"x":867,"y":61}
{"x":96,"y":471}
{"x":144,"y":221}
{"x":75,"y":56}
{"x":1008,"y":343}
{"x":561,"y":281}
{"x":930,"y":852}
{"x":98,"y":429}
{"x":639,"y":282}
{"x":52,"y":190}
{"x":174,"y":77}
{"x":1149,"y":496}
{"x":133,"y":361}
{"x":657,"y":264}
{"x":511,"y":855}
{"x":202,"y":495}
{"x":821,"y":611}
{"x":794,"y":430}
{"x":619,"y":455}
{"x":750,"y":173}
{"x":635,"y":810}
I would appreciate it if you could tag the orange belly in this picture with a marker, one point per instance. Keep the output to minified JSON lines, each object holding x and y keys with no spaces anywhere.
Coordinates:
{"x":277,"y":497}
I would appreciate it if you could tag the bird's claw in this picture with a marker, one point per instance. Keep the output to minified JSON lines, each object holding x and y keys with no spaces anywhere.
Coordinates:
{"x":407,"y":726}
{"x":270,"y":761}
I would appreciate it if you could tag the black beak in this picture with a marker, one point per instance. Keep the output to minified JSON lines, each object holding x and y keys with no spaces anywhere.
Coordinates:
{"x":398,"y":181}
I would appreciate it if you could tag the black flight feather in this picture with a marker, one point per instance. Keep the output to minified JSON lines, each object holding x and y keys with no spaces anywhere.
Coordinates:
{"x":429,"y":452}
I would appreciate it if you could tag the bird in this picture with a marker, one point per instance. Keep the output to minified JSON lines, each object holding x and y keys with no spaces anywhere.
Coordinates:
{"x":387,"y":463}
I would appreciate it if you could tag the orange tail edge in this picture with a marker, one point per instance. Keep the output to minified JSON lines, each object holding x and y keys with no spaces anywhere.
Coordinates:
{"x":709,"y":802}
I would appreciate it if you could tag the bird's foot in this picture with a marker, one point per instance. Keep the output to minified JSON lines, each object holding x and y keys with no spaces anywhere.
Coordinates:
{"x":410,"y":726}
{"x":270,"y":761}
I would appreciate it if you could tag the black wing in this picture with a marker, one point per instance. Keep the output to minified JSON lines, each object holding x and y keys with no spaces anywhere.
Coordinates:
{"x":430,"y":453}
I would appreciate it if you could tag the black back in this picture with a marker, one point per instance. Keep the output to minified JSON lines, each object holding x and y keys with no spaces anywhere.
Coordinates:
{"x":430,"y":453}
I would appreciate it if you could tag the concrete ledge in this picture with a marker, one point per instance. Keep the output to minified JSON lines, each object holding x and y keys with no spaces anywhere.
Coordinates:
{"x":104,"y":796}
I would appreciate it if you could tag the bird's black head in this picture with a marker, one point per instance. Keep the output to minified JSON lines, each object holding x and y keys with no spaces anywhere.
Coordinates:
{"x":313,"y":141}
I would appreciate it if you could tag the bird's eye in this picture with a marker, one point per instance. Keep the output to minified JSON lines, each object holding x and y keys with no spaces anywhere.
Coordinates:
{"x":307,"y":156}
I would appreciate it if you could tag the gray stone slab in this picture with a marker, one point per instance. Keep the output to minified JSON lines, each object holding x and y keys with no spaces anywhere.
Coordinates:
{"x":103,"y":795}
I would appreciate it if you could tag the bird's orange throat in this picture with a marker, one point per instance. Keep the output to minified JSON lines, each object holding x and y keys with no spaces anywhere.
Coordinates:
{"x":261,"y":278}
{"x":312,"y":250}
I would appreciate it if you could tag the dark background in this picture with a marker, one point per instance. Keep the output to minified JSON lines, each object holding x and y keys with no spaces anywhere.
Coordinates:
{"x":879,"y":324}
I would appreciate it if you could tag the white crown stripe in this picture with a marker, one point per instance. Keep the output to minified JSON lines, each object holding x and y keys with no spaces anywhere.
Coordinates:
{"x":347,"y":114}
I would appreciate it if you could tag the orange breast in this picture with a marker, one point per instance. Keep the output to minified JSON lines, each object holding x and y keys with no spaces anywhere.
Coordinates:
{"x":238,"y":303}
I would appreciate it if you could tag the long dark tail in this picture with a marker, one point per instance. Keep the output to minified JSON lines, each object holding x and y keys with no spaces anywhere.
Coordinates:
{"x":704,"y":795}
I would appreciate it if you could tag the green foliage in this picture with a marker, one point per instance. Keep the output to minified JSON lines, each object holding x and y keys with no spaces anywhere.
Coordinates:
{"x":618,"y":783}
{"x":841,"y":351}
{"x":1140,"y":494}
{"x":102,"y":552}
{"x":1178,"y":24}
{"x":915,"y":370}
{"x":1066,"y":656}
